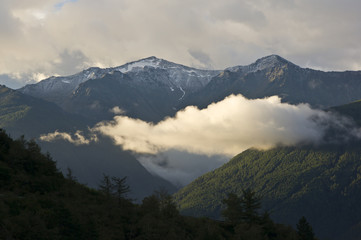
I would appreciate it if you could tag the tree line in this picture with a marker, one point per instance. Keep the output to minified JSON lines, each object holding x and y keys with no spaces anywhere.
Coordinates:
{"x":38,"y":202}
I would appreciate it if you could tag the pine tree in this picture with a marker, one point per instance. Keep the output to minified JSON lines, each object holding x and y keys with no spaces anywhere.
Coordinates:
{"x":234,"y":211}
{"x":251,"y":204}
{"x":305,"y":230}
{"x":69,"y":175}
{"x":119,"y":187}
{"x":106,"y":185}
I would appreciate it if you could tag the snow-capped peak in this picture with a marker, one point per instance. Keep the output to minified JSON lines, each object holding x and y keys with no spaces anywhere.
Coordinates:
{"x":145,"y":72}
{"x":268,"y":62}
{"x":146,"y":62}
{"x":261,"y":64}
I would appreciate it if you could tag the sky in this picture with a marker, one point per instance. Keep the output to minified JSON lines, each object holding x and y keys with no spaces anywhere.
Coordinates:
{"x":42,"y":38}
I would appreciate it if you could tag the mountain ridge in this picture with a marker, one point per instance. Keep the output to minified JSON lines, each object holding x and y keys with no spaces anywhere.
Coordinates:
{"x":181,"y":75}
{"x":273,"y":75}
{"x":31,"y":117}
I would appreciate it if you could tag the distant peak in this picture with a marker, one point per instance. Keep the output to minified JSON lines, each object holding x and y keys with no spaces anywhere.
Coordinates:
{"x":140,"y":64}
{"x":268,"y":62}
{"x":263,"y":63}
{"x":271,"y":59}
{"x":150,"y":58}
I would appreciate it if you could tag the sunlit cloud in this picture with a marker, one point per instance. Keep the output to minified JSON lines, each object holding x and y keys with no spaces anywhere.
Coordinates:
{"x":43,"y":35}
{"x":227,"y":127}
{"x":117,"y":110}
{"x":196,"y":141}
{"x":77,"y":139}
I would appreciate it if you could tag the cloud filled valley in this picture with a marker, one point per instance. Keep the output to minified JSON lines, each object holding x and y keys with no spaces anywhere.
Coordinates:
{"x":227,"y":127}
{"x":198,"y":140}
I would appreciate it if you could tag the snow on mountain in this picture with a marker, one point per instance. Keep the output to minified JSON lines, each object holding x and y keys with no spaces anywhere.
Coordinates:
{"x":140,"y":65}
{"x":53,"y":87}
{"x":261,"y":64}
{"x":146,"y":71}
{"x":172,"y":74}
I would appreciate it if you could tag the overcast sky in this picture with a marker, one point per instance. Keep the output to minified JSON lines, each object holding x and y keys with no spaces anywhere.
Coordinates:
{"x":40,"y":38}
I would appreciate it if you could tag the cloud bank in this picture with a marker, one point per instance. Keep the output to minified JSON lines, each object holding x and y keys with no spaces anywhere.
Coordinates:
{"x":56,"y":37}
{"x":227,"y":128}
{"x":196,"y":141}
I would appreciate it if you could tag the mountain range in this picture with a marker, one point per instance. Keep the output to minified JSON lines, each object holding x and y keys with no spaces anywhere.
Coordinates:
{"x":273,"y":75}
{"x":152,"y":89}
{"x":149,"y":89}
{"x":292,"y":180}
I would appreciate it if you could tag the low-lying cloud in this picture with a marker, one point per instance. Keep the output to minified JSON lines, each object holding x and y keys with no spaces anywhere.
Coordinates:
{"x":77,"y":139}
{"x":227,"y":127}
{"x":117,"y":110}
{"x":196,"y":141}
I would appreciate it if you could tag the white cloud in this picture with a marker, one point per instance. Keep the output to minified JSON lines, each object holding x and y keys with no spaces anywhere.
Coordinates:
{"x":77,"y":139}
{"x":117,"y":110}
{"x":227,"y":127}
{"x":196,"y":141}
{"x":42,"y":35}
{"x":37,"y":77}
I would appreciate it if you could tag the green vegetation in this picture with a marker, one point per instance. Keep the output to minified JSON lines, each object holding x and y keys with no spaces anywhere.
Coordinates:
{"x":242,"y":215}
{"x":10,"y":109}
{"x":321,"y":183}
{"x":22,"y":114}
{"x":38,"y":202}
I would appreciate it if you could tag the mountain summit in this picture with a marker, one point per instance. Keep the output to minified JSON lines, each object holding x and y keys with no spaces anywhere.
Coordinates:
{"x":148,"y":70}
{"x":274,"y":75}
{"x":153,"y":88}
{"x":267,"y":62}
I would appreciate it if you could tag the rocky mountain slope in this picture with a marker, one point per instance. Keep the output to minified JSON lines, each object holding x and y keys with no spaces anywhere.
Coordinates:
{"x":152,"y":88}
{"x":273,"y":75}
{"x":149,"y":89}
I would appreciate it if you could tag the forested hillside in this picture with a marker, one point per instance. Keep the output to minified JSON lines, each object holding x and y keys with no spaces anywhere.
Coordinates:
{"x":38,"y":202}
{"x":321,"y":183}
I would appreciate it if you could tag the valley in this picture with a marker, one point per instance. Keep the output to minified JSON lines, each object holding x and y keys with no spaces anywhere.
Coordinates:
{"x":319,"y":179}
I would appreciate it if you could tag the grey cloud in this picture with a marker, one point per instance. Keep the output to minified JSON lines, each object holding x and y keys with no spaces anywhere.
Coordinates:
{"x":178,"y":167}
{"x":70,"y":62}
{"x":108,"y":33}
{"x":241,"y":12}
{"x":202,"y":58}
{"x":10,"y":82}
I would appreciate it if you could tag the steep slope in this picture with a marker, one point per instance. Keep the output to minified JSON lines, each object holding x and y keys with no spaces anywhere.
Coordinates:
{"x":55,"y":89}
{"x":37,"y":202}
{"x":322,"y":184}
{"x":137,"y":83}
{"x":21,"y":114}
{"x":97,"y":98}
{"x":171,"y":74}
{"x":273,"y":75}
{"x":24,"y":115}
